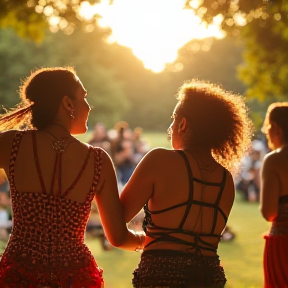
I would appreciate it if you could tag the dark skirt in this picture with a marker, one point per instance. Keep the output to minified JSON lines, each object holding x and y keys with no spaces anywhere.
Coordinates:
{"x":177,"y":269}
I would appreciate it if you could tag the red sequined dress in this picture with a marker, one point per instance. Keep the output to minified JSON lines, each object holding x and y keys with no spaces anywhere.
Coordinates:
{"x":46,"y":248}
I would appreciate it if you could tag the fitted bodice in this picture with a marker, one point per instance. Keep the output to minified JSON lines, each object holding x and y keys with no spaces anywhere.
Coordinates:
{"x":280,"y":224}
{"x":46,"y":247}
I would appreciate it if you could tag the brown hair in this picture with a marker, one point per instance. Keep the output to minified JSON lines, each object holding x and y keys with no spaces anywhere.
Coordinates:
{"x":277,"y":112}
{"x":217,"y":119}
{"x":41,"y":95}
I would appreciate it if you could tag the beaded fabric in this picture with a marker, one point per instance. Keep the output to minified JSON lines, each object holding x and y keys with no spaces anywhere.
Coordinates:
{"x":280,"y":224}
{"x":46,"y":248}
{"x":178,"y":269}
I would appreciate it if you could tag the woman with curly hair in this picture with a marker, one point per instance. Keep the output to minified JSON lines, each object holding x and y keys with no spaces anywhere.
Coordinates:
{"x":188,"y":192}
{"x":53,"y":179}
{"x":274,"y":196}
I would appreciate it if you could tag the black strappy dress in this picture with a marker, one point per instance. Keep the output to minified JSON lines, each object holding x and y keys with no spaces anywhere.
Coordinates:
{"x":179,"y":269}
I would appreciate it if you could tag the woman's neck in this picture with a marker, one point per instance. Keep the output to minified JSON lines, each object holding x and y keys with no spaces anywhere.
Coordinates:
{"x":59,"y":130}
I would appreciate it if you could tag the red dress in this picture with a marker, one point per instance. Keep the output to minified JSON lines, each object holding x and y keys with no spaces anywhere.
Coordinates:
{"x":46,"y":248}
{"x":276,"y":249}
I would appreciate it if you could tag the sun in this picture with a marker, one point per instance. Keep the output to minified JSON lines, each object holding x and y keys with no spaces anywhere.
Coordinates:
{"x":154,"y":29}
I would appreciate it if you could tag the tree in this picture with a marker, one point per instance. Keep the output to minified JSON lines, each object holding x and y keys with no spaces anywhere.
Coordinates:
{"x":19,"y":56}
{"x":30,"y":18}
{"x":265,"y":70}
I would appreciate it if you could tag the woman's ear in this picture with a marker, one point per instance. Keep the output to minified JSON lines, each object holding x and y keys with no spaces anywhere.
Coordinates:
{"x":67,"y":104}
{"x":182,"y":125}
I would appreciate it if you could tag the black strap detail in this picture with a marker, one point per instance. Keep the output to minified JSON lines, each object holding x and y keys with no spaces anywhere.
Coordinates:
{"x":191,"y":187}
{"x":165,"y":234}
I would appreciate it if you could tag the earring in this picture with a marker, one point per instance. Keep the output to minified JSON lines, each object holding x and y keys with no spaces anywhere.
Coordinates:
{"x":72,"y":114}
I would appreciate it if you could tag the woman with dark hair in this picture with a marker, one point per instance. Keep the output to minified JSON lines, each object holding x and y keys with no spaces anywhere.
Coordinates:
{"x":274,"y":196}
{"x":53,"y":179}
{"x":188,"y":192}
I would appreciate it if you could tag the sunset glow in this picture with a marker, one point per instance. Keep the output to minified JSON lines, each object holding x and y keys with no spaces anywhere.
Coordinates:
{"x":154,"y":29}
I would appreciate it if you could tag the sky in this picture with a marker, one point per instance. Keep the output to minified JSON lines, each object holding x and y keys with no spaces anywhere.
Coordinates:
{"x":155,"y":30}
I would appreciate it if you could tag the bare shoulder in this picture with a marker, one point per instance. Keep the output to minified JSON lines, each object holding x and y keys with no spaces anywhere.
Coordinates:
{"x":159,"y":152}
{"x":6,"y":140}
{"x":6,"y":135}
{"x":272,"y":159}
{"x":158,"y":155}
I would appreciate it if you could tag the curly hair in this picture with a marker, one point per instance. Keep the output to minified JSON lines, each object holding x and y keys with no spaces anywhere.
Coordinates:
{"x":277,"y":112}
{"x":218,"y":120}
{"x":41,"y":94}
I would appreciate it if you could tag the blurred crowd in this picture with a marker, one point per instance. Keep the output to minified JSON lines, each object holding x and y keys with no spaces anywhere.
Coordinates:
{"x":248,"y":180}
{"x":125,"y":146}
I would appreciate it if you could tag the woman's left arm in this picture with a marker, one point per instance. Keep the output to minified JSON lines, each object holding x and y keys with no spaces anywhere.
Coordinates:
{"x":270,"y":188}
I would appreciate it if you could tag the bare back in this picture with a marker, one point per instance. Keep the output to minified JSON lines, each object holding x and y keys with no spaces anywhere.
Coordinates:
{"x":36,"y":160}
{"x":170,"y":186}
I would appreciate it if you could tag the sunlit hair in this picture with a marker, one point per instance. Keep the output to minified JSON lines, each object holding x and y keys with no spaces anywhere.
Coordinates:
{"x":41,"y":94}
{"x":278,"y":113}
{"x":217,"y":120}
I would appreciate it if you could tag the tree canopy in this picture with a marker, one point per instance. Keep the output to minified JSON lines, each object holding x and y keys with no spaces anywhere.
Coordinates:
{"x":260,"y":24}
{"x":29,"y":17}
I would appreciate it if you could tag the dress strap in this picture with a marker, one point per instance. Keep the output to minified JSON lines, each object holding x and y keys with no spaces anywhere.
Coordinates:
{"x":97,"y":166}
{"x":79,"y":174}
{"x":222,"y":186}
{"x":14,"y":152}
{"x":37,"y":163}
{"x":97,"y":171}
{"x":191,"y":187}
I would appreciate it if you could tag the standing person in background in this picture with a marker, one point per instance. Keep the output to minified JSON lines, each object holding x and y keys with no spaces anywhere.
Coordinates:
{"x":188,"y":192}
{"x":140,"y":146}
{"x":123,"y":153}
{"x":274,"y":196}
{"x":53,"y":179}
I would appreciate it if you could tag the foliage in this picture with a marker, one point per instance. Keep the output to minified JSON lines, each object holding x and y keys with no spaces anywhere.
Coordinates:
{"x":266,"y":60}
{"x":29,"y":18}
{"x":19,"y":56}
{"x":262,"y":25}
{"x":233,"y":12}
{"x":118,"y":85}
